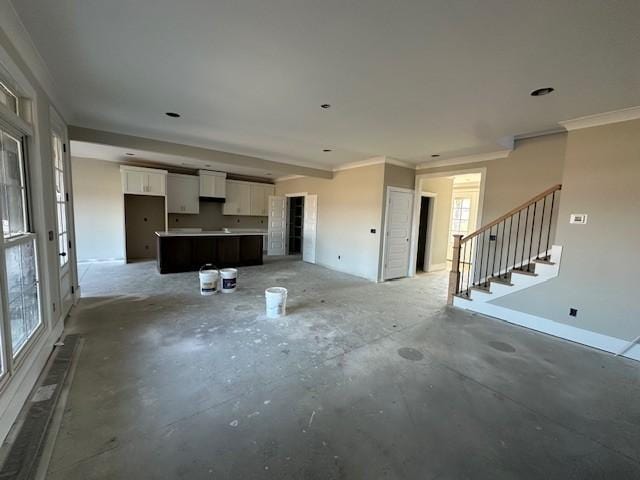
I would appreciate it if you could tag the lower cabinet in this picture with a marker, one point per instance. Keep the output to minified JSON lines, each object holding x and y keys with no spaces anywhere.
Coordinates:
{"x":189,"y":253}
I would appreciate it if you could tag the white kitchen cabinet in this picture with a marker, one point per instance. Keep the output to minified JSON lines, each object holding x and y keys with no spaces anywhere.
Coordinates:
{"x":212,"y":184}
{"x":260,"y":198}
{"x":183,"y":193}
{"x":143,"y":181}
{"x":247,"y":198}
{"x":238,"y":199}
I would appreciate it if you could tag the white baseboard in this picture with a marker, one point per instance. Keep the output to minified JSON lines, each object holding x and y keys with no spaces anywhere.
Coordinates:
{"x":550,"y":327}
{"x":101,"y":260}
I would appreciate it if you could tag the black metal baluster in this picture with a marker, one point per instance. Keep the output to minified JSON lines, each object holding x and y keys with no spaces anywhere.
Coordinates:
{"x":524,"y":240}
{"x":473,"y":283}
{"x":506,"y":263}
{"x":533,"y":227}
{"x":461,"y":277}
{"x":469,"y":272}
{"x":504,"y":223}
{"x":553,"y":197}
{"x":481,"y":258}
{"x":544,"y":205}
{"x":495,"y":251}
{"x":515,"y":249}
{"x":486,"y":270}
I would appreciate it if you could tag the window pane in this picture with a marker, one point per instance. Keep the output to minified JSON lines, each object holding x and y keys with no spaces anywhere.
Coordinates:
{"x":8,"y":98}
{"x":12,"y":191}
{"x":22,"y":280}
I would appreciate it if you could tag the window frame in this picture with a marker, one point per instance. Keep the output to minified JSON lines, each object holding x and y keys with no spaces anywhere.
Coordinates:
{"x":16,"y":127}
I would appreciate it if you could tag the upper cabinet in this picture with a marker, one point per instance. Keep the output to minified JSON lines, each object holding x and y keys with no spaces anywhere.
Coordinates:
{"x":212,"y":184}
{"x":247,"y":198}
{"x":238,"y":201}
{"x":183,"y":193}
{"x":260,"y":198}
{"x":143,"y":181}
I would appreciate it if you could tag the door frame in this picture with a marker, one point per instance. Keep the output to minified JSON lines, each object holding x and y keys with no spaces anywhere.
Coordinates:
{"x":411,"y":231}
{"x":426,"y":266}
{"x":416,"y":218}
{"x":58,"y":126}
{"x":286,"y":240}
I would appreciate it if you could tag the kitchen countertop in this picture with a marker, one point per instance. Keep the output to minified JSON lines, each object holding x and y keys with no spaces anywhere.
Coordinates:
{"x":211,"y":233}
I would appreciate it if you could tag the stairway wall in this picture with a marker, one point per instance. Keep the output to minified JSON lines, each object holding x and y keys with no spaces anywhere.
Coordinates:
{"x":600,"y":260}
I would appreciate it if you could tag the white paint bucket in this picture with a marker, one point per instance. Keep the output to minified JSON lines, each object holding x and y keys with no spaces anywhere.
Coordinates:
{"x":276,"y":301}
{"x":228,"y":278}
{"x":208,"y":280}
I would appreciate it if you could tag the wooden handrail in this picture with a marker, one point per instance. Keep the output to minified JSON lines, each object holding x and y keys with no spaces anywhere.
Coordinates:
{"x":526,"y":204}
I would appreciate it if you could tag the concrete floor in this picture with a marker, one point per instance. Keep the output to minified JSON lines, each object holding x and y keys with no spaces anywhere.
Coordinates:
{"x":359,"y":381}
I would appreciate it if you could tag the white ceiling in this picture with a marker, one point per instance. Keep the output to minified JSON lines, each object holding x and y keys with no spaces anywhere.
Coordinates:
{"x":405,"y":79}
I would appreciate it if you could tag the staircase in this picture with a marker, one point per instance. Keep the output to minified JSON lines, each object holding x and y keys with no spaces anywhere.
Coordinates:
{"x":509,"y":254}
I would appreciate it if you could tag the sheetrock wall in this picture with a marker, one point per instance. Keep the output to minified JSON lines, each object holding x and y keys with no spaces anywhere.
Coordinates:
{"x":349,"y":206}
{"x":99,"y":212}
{"x":600,"y":260}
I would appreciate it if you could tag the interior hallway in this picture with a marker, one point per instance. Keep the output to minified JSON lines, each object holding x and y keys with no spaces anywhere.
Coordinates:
{"x":359,"y":380}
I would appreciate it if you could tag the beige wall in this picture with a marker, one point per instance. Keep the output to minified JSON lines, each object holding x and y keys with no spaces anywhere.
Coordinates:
{"x":534,"y":165}
{"x":600,"y":260}
{"x":349,"y":206}
{"x":442,"y":187}
{"x":99,"y":209}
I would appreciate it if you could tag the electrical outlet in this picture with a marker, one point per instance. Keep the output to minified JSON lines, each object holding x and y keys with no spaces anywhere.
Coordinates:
{"x":373,"y":230}
{"x":573,"y":312}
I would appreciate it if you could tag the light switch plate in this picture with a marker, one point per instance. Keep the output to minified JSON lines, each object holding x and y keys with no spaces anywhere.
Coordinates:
{"x":578,"y":218}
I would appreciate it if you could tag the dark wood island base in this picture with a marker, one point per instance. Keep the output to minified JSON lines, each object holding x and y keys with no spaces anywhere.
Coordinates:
{"x":187,"y":253}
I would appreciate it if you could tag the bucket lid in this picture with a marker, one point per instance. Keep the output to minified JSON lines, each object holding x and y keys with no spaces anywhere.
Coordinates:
{"x":276,"y":290}
{"x":208,"y":267}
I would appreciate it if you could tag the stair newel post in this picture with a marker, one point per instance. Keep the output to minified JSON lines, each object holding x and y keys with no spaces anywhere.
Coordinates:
{"x":454,"y":275}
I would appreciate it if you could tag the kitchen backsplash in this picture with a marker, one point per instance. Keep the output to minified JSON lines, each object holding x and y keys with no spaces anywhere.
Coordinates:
{"x":211,"y":218}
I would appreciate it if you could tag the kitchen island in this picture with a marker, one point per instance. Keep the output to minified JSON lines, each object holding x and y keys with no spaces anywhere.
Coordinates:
{"x":187,"y":251}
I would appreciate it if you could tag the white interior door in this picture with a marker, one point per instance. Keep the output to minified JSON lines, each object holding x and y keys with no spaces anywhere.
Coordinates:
{"x":60,"y":174}
{"x":397,"y":233}
{"x":309,"y":228}
{"x":277,"y":225}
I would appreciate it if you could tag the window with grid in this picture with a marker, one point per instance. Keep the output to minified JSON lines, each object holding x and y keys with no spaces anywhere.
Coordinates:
{"x":460,"y":216}
{"x":8,"y":98}
{"x":18,"y":247}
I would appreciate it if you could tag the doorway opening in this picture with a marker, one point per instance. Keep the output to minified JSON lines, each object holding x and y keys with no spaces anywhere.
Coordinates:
{"x":426,"y":214}
{"x":449,"y":204}
{"x":295,"y":225}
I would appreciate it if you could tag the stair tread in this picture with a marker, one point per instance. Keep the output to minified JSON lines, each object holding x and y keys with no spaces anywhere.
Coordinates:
{"x":501,"y":281}
{"x":544,"y":261}
{"x":463,"y":296}
{"x":524,"y":271}
{"x":481,"y":289}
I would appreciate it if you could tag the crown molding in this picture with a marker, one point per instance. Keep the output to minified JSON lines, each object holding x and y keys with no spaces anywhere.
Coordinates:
{"x":478,"y":157}
{"x":288,"y":177}
{"x":374,"y":161}
{"x":616,"y":116}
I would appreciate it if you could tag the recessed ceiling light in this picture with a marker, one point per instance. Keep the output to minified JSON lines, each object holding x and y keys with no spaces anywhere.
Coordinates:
{"x":542,"y":91}
{"x":435,"y":155}
{"x":172,"y":114}
{"x":325,"y":105}
{"x":326,"y":149}
{"x":130,"y":154}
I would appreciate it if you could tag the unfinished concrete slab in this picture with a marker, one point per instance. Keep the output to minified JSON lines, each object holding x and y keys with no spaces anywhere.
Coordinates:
{"x":359,"y":380}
